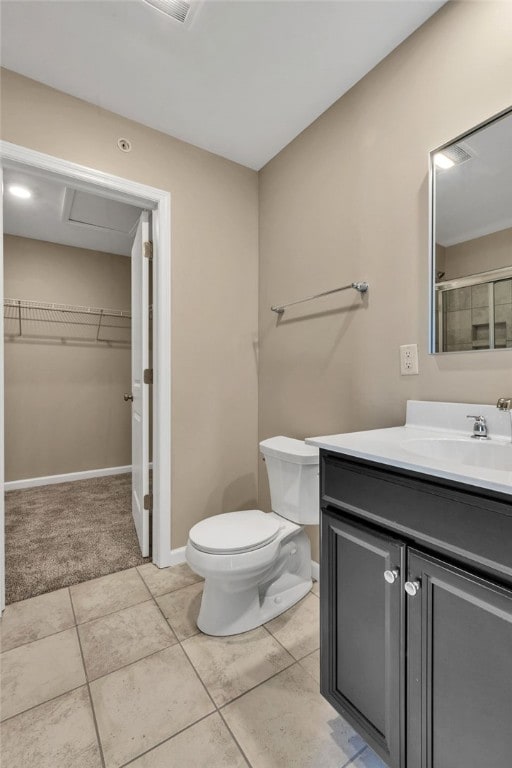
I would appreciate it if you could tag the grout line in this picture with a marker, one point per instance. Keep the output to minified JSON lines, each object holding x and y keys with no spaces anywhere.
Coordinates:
{"x":208,"y":714}
{"x":288,"y":650}
{"x":221,"y":706}
{"x":176,"y":589}
{"x":81,"y":623}
{"x":217,"y":709}
{"x":293,"y":661}
{"x":307,"y":670}
{"x":279,"y":643}
{"x":37,"y":639}
{"x":89,"y":621}
{"x":180,"y":643}
{"x":199,"y":676}
{"x":309,"y":654}
{"x":41,"y":703}
{"x":172,"y":591}
{"x":111,"y":613}
{"x":165,"y":617}
{"x":354,"y":757}
{"x":258,"y":685}
{"x":235,"y":739}
{"x":97,"y":578}
{"x":169,"y":738}
{"x":131,"y":663}
{"x":164,"y":569}
{"x":77,"y":623}
{"x":93,"y":711}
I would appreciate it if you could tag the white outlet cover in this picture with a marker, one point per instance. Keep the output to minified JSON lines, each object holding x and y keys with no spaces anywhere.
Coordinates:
{"x":409,"y":359}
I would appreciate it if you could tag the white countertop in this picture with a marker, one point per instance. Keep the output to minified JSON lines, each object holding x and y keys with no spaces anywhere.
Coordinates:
{"x":435,"y":421}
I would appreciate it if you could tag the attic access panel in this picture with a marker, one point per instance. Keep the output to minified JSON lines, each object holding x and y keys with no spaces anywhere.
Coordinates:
{"x":100,"y":212}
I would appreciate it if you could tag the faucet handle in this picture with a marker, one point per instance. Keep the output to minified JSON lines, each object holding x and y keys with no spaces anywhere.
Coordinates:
{"x":504,"y":404}
{"x":479,"y":427}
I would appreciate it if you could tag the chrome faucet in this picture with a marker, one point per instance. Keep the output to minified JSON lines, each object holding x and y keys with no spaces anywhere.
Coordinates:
{"x":504,"y":405}
{"x":479,"y":427}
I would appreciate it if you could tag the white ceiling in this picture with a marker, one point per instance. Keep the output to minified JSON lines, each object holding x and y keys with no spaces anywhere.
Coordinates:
{"x":58,"y":214}
{"x":475,"y":197}
{"x":242,"y":81}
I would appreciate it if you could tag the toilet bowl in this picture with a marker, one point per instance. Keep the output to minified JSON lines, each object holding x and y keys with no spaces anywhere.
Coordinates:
{"x":256,"y":564}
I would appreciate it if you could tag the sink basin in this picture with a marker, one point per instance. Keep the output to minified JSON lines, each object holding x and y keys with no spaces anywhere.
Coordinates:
{"x":435,"y":441}
{"x":487,"y":454}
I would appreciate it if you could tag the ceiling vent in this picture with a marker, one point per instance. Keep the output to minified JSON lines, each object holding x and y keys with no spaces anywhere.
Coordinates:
{"x":176,"y":9}
{"x":456,"y":154}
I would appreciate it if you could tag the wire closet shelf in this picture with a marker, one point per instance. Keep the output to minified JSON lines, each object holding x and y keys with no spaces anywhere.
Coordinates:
{"x":39,"y":319}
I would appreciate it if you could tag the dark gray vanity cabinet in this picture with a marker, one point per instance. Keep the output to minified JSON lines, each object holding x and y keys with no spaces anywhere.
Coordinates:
{"x":459,"y":675}
{"x":424,"y":675}
{"x":361,"y":673}
{"x":361,"y":668}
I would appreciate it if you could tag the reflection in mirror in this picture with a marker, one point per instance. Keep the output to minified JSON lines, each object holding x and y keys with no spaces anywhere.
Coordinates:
{"x":472,"y":240}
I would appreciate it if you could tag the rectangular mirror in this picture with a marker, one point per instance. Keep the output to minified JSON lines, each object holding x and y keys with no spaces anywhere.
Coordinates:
{"x":471,"y":240}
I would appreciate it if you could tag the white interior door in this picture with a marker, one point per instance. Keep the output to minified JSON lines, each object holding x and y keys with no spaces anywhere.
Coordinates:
{"x":140,"y":391}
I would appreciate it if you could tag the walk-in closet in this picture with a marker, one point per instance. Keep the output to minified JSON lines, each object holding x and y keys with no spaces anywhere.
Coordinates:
{"x":68,"y":380}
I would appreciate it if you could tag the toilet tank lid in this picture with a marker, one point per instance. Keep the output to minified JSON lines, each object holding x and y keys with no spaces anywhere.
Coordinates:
{"x":289,"y":449}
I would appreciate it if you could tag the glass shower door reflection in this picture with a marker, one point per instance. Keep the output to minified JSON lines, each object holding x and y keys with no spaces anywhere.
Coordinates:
{"x":475,"y":316}
{"x":502,"y":321}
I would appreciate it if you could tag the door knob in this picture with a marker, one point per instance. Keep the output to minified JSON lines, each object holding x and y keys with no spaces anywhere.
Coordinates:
{"x":391,"y":576}
{"x":127,"y":397}
{"x":412,"y":587}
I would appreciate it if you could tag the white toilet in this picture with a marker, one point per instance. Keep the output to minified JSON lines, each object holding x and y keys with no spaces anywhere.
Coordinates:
{"x":256,"y":565}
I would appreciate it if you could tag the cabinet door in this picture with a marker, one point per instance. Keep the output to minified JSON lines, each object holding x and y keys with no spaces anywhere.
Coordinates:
{"x":361,"y":632}
{"x":459,"y":669}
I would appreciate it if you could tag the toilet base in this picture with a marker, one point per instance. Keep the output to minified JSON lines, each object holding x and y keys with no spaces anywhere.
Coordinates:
{"x":232,"y":606}
{"x":246,"y":612}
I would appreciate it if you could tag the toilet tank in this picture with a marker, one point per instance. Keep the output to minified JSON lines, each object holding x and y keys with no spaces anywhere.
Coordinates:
{"x":292,"y":469}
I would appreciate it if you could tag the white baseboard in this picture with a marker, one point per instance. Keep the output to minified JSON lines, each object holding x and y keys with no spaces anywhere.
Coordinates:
{"x":33,"y":482}
{"x":315,"y":570}
{"x":172,"y":557}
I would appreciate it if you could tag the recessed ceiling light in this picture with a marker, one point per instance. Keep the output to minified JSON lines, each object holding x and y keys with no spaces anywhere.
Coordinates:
{"x":19,"y":191}
{"x":442,"y":161}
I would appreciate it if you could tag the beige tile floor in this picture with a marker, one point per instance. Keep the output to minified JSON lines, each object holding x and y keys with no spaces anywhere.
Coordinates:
{"x":114,"y":672}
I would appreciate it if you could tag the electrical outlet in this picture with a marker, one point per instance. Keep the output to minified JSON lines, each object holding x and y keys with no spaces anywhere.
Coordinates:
{"x":409,"y":359}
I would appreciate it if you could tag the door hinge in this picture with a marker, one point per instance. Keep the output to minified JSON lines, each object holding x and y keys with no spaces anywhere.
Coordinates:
{"x":148,"y":375}
{"x":148,"y":502}
{"x":148,"y":249}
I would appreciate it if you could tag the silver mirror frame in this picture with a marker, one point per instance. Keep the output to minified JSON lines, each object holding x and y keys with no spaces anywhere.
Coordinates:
{"x":431,"y":236}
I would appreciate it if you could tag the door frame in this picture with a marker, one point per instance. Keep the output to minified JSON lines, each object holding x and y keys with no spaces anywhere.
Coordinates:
{"x":158,"y":201}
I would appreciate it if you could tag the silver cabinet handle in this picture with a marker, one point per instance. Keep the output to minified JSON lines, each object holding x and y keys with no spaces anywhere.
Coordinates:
{"x":412,"y":587}
{"x":127,"y":397}
{"x":391,"y":576}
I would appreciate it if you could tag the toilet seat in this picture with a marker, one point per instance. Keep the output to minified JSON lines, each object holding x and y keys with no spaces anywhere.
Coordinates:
{"x":234,"y":532}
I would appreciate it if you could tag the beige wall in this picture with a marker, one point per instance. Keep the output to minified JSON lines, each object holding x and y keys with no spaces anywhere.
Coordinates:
{"x":478,"y":255}
{"x":64,"y":408}
{"x":214,"y":278}
{"x":348,"y":200}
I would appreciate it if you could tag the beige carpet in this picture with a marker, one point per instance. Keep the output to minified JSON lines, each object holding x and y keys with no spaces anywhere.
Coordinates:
{"x":57,"y":535}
